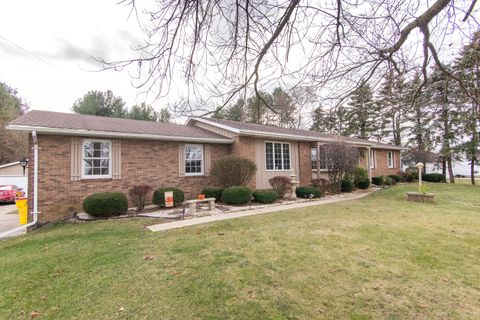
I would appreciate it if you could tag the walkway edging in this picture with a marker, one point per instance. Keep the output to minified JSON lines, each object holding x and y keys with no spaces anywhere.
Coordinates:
{"x":254,"y":212}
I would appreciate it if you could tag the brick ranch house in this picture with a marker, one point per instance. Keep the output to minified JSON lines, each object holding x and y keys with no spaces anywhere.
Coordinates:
{"x":80,"y":154}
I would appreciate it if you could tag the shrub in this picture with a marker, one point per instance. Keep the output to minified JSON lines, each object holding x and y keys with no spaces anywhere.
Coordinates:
{"x":159,"y":196}
{"x":434,"y":177}
{"x":411,"y":173}
{"x":236,"y":195}
{"x":232,"y":171}
{"x":105,"y":204}
{"x":138,"y":195}
{"x":378,"y":181}
{"x":364,"y":184}
{"x":395,"y":177}
{"x":308,"y":192}
{"x":211,"y":192}
{"x":360,"y":175}
{"x":388,"y":181}
{"x":281,"y":185}
{"x":409,"y":178}
{"x":265,"y":196}
{"x":324,"y":185}
{"x":347,"y":185}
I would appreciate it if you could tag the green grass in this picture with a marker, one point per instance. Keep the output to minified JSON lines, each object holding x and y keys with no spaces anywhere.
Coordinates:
{"x":376,"y":258}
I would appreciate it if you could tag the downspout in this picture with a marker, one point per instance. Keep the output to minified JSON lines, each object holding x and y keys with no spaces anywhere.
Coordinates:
{"x":35,"y":192}
{"x":369,"y":165}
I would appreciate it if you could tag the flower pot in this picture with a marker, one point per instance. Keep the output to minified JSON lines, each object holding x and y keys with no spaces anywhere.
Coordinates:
{"x":420,"y":197}
{"x":201,"y":197}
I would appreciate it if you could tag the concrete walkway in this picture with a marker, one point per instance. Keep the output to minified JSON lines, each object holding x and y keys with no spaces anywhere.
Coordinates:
{"x":9,"y":219}
{"x":254,"y":212}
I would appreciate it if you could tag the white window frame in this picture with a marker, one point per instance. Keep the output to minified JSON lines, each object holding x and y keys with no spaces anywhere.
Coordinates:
{"x":103,"y":176}
{"x":202,"y":159}
{"x":281,"y":155}
{"x":372,"y":159}
{"x":390,"y":156}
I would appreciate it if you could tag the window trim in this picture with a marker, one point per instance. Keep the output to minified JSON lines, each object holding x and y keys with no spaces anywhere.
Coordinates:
{"x":273,"y":155}
{"x":202,"y":166}
{"x":392,"y":166}
{"x":110,"y":164}
{"x":314,"y":147}
{"x":373,"y":159}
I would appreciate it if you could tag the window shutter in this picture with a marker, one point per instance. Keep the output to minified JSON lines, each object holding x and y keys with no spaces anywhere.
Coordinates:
{"x":181,"y":161}
{"x":207,"y":159}
{"x":75,"y":158}
{"x":116,"y":159}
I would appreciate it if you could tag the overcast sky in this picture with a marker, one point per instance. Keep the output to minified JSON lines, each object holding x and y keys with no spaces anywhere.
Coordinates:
{"x":46,"y":49}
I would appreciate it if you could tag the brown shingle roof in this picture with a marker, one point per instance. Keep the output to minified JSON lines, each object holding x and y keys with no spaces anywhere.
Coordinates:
{"x":244,"y":126}
{"x":85,"y":123}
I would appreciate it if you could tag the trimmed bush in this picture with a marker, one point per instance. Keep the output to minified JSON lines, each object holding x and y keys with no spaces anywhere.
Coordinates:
{"x":360,"y":175}
{"x":105,"y":204}
{"x":364,"y":185}
{"x":434,"y":177}
{"x":308,"y":192}
{"x":347,"y":185}
{"x":388,"y":181}
{"x":159,"y":196}
{"x":265,"y":196}
{"x":281,"y":185}
{"x":210,"y":192}
{"x":395,"y":177}
{"x":378,"y":181}
{"x":236,"y":195}
{"x":232,"y":171}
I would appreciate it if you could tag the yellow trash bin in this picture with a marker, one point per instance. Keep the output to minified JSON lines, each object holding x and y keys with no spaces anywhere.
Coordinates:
{"x":22,"y":206}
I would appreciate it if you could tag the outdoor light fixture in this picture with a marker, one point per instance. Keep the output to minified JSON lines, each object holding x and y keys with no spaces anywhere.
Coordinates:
{"x":24,"y":164}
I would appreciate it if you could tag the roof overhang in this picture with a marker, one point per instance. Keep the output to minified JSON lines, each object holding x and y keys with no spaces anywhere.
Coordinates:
{"x":262,"y":134}
{"x":110,"y":134}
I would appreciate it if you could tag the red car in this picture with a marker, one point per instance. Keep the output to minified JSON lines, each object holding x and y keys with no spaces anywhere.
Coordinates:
{"x":8,"y":193}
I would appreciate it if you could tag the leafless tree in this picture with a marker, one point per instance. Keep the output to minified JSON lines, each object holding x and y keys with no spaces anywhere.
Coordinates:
{"x":341,"y":160}
{"x":224,"y":48}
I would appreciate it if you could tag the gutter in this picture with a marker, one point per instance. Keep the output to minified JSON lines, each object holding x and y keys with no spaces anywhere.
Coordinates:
{"x":109,"y":134}
{"x":35,"y":193}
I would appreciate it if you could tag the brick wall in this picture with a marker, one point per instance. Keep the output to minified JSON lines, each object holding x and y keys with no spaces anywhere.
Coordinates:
{"x":245,"y":147}
{"x":305,"y":163}
{"x":381,"y":168}
{"x":143,"y":162}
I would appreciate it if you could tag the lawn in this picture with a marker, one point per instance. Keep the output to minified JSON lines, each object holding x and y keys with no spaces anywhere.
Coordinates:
{"x":375,"y":258}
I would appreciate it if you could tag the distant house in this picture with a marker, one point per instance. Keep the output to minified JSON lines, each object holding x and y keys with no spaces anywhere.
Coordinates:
{"x":460,"y":167}
{"x":81,"y":154}
{"x":12,"y":173}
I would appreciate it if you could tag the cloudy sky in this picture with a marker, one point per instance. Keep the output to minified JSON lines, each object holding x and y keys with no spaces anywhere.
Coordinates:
{"x":46,"y":50}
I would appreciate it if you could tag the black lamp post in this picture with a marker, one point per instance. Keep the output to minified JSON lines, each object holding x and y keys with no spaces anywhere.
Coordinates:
{"x":24,"y":164}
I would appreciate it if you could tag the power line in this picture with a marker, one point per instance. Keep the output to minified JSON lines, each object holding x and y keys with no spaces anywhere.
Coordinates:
{"x":28,"y":52}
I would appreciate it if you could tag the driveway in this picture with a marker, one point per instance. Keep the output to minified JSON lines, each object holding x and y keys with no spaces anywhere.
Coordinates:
{"x":8,"y":217}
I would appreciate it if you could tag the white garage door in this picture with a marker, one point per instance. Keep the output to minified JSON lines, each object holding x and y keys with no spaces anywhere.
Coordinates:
{"x":21,"y":181}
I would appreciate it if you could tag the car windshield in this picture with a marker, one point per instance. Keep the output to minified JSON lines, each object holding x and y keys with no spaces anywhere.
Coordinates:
{"x":5,"y":188}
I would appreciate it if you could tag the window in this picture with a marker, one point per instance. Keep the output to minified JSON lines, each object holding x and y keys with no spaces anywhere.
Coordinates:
{"x":96,"y":159}
{"x":193,"y":160}
{"x":313,"y":155}
{"x":277,"y":156}
{"x":390,"y":159}
{"x":323,"y":157}
{"x":373,"y":160}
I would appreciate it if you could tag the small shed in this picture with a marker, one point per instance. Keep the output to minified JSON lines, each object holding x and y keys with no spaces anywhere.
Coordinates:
{"x":12,"y":173}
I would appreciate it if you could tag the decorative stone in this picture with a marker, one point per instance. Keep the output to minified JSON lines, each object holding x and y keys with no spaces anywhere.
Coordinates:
{"x":420,"y":197}
{"x":294,"y":182}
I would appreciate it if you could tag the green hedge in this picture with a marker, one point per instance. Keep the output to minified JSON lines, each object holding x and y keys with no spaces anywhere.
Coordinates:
{"x":364,"y":184}
{"x":236,"y":195}
{"x":305,"y":192}
{"x":105,"y":204}
{"x":434,"y":177}
{"x":159,"y":196}
{"x":378,"y":181}
{"x":211,"y":192}
{"x":265,"y":196}
{"x":395,"y":177}
{"x":347,"y":185}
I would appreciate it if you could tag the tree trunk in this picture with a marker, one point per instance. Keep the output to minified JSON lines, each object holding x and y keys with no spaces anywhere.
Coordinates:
{"x":444,"y":167}
{"x":472,"y":170}
{"x":450,"y":170}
